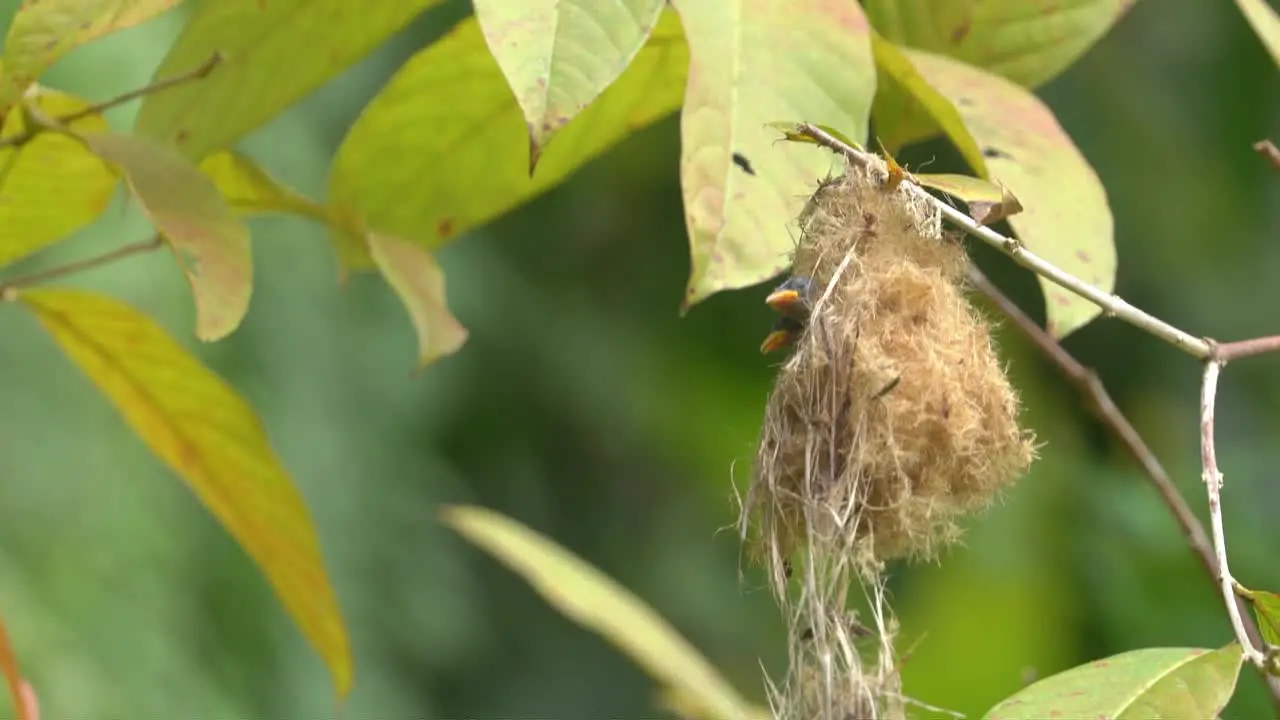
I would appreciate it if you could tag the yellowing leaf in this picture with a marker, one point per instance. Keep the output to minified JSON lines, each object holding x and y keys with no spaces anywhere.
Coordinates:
{"x":43,"y":31}
{"x":1137,"y":685}
{"x":51,"y":186}
{"x":559,"y":55}
{"x":25,"y":706}
{"x":907,"y":107}
{"x":443,"y":147}
{"x":1028,"y":43}
{"x":249,"y":190}
{"x":751,"y":64}
{"x":1067,"y":219}
{"x":414,"y":275}
{"x":1265,"y":22}
{"x":791,"y":133}
{"x":210,"y":242}
{"x":988,"y":202}
{"x":201,"y":428}
{"x":590,"y":598}
{"x":275,"y":52}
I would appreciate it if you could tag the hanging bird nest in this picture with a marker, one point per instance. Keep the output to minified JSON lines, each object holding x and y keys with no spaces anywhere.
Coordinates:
{"x":890,"y":421}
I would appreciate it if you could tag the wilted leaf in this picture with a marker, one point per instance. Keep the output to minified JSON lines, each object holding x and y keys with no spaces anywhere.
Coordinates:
{"x":988,"y":202}
{"x":43,"y":31}
{"x":1029,"y":43}
{"x":590,"y":598}
{"x":559,"y":55}
{"x":1066,"y":219}
{"x":1265,"y":22}
{"x":1137,"y":685}
{"x":791,"y":133}
{"x":210,"y":242}
{"x":907,"y":107}
{"x":51,"y":186}
{"x":751,"y":64}
{"x":274,"y":53}
{"x":418,"y":280}
{"x":443,"y":147}
{"x":201,"y":428}
{"x":249,"y":190}
{"x":24,"y":698}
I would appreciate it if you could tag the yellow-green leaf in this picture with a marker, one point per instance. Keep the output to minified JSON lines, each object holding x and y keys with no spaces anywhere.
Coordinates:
{"x":209,"y":241}
{"x":418,"y":280}
{"x":791,"y":133}
{"x":752,"y":63}
{"x":23,"y":697}
{"x":443,"y":147}
{"x":1266,"y":608}
{"x":205,"y":432}
{"x":1028,"y":43}
{"x":559,"y":55}
{"x":1265,"y":22}
{"x":249,"y":190}
{"x":988,"y":202}
{"x":1136,"y":685}
{"x":1066,"y":219}
{"x":43,"y":31}
{"x":907,"y":107}
{"x":590,"y":598}
{"x":51,"y":186}
{"x":275,"y":52}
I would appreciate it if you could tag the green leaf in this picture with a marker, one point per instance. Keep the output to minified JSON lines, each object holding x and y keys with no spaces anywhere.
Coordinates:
{"x":791,"y":133}
{"x":751,"y":64}
{"x":907,"y":107}
{"x":25,"y":706}
{"x":275,"y":52}
{"x":1265,"y":22}
{"x":1028,"y":43}
{"x":51,"y":186}
{"x":590,"y":598}
{"x":43,"y":31}
{"x":1266,"y":608}
{"x":209,"y":241}
{"x":443,"y":147}
{"x":201,"y":428}
{"x":1066,"y":219}
{"x":249,"y":190}
{"x":1137,"y":685}
{"x":418,"y":280}
{"x":559,"y":55}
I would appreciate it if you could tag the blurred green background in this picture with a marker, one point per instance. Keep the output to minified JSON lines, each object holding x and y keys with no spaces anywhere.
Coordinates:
{"x":585,"y":407}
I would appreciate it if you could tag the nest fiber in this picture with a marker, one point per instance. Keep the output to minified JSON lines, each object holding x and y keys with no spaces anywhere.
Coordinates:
{"x":893,"y":417}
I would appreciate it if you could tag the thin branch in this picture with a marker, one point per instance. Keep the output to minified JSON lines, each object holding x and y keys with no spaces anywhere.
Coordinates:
{"x":1110,"y":303}
{"x":1268,"y":150}
{"x":1213,"y":484}
{"x":33,"y":129}
{"x":1225,"y":352}
{"x":9,"y":290}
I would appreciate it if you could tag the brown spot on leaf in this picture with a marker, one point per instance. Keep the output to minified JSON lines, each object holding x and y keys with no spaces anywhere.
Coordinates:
{"x":961,"y":31}
{"x":992,"y":152}
{"x":1083,"y":256}
{"x":444,"y":228}
{"x":181,"y":136}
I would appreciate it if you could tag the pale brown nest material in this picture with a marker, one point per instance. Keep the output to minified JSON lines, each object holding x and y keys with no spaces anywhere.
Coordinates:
{"x":893,"y":417}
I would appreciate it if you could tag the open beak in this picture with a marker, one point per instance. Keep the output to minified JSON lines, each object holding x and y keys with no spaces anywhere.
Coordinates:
{"x":786,"y":302}
{"x":775,"y":341}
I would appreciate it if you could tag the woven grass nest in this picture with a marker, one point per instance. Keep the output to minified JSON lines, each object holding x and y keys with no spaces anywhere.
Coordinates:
{"x":893,"y":417}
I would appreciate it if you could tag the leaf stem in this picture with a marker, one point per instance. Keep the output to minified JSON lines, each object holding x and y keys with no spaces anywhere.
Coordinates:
{"x":9,"y":290}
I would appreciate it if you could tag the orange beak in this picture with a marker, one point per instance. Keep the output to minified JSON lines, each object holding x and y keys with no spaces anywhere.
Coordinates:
{"x":786,"y":302}
{"x":775,"y":341}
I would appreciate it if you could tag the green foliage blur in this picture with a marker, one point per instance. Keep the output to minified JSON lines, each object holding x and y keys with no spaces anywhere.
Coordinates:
{"x":585,"y":407}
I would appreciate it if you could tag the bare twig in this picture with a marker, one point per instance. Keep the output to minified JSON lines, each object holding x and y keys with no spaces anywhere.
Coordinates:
{"x":1226,"y":352}
{"x":9,"y":290}
{"x":1213,"y":484}
{"x":1268,"y":150}
{"x":33,"y":129}
{"x":1110,"y":303}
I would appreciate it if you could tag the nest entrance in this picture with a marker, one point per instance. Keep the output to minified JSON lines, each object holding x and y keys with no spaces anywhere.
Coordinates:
{"x":890,"y":421}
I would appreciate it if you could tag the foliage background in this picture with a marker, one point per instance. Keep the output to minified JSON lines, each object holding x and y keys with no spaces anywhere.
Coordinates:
{"x":584,"y":407}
